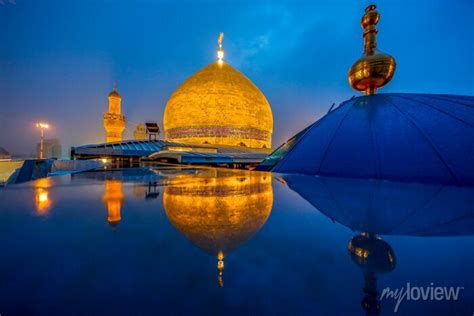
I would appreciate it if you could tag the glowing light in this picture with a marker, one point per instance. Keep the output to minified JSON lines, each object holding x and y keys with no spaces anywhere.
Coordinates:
{"x":42,"y":125}
{"x":42,"y":198}
{"x":220,"y":264}
{"x":42,"y":201}
{"x":220,"y":255}
{"x":220,"y":54}
{"x":220,"y":51}
{"x":104,"y":160}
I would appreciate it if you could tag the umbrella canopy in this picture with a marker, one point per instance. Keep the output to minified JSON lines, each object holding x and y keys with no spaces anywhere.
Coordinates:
{"x":396,"y":136}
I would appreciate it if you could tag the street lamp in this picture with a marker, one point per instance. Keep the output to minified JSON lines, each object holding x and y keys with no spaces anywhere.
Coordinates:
{"x":42,"y":127}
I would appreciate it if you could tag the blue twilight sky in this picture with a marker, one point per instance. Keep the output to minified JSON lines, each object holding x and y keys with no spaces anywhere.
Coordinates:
{"x":59,"y":59}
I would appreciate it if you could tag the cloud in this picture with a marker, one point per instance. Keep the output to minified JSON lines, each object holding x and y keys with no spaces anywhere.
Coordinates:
{"x":3,"y":2}
{"x":272,"y":31}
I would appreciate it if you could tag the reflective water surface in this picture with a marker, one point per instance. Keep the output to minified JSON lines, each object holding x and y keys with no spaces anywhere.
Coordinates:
{"x":208,"y":241}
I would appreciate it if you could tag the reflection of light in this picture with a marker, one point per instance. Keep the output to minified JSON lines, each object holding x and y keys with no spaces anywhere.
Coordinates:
{"x":42,"y":198}
{"x":42,"y":201}
{"x":220,"y":54}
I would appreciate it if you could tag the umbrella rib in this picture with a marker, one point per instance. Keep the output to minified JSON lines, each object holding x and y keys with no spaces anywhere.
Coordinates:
{"x":376,"y":150}
{"x":446,"y":98}
{"x":427,"y":138}
{"x":413,"y":212}
{"x":439,"y":110}
{"x":289,"y":154}
{"x":323,"y":157}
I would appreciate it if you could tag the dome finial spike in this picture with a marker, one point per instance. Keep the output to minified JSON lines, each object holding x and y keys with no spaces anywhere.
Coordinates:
{"x":115,"y":86}
{"x":220,"y":50}
{"x":375,"y":69}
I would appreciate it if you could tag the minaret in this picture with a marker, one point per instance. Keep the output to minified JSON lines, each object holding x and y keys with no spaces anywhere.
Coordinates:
{"x":114,"y":121}
{"x":140,"y":132}
{"x":374,"y":69}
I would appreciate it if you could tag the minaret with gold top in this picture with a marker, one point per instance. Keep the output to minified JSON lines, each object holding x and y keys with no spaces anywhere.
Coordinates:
{"x":374,"y":69}
{"x":114,"y":121}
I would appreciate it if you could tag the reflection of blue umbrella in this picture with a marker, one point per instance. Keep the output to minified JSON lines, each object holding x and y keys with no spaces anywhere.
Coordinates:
{"x":383,"y":207}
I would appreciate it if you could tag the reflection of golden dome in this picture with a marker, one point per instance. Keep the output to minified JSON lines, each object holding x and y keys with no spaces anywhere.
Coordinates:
{"x":219,"y":211}
{"x":219,"y":105}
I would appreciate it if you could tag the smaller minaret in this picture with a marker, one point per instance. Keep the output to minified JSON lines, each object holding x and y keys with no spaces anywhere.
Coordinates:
{"x":375,"y":69}
{"x":114,"y":121}
{"x":140,"y":132}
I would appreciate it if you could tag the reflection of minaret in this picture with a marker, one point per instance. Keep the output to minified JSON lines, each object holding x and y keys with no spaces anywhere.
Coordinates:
{"x":373,"y":255}
{"x":220,"y":210}
{"x":113,"y":198}
{"x":114,"y":121}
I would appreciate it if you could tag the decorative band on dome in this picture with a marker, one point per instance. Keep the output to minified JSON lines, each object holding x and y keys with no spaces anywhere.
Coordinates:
{"x":218,"y":131}
{"x":225,"y":190}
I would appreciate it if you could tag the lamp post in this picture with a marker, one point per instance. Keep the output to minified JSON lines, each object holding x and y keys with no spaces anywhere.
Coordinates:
{"x":42,"y":127}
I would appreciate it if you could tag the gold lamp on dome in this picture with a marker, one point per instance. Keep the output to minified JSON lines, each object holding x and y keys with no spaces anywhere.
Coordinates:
{"x":219,"y":105}
{"x":375,"y":69}
{"x":219,"y":211}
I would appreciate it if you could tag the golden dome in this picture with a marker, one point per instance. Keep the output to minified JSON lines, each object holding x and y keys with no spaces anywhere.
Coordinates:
{"x":219,"y":211}
{"x":219,"y":105}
